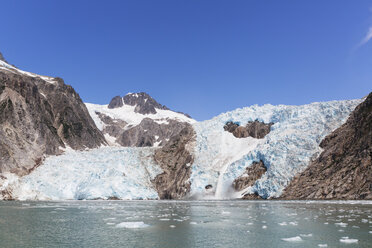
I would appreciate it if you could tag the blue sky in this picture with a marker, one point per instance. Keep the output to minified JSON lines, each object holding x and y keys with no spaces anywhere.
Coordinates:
{"x":199,"y":57}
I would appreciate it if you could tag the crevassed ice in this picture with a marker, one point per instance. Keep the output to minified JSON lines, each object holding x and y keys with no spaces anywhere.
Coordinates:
{"x":106,"y":172}
{"x":294,"y":139}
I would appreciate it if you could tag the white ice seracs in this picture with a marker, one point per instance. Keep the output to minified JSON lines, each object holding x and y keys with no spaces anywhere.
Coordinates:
{"x":294,"y":139}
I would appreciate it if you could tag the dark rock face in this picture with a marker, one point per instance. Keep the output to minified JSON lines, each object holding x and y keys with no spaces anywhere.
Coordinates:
{"x":344,"y":169}
{"x":250,"y":176}
{"x":175,"y":158}
{"x":116,"y":102}
{"x":255,"y":129}
{"x":39,"y":117}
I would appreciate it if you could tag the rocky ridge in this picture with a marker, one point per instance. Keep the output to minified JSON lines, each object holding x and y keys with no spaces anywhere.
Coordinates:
{"x":40,"y":116}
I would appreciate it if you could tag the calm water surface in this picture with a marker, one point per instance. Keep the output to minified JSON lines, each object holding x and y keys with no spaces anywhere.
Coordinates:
{"x":185,"y":224}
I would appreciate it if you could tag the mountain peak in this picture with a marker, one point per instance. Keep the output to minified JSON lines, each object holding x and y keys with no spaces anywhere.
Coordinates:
{"x":143,"y":102}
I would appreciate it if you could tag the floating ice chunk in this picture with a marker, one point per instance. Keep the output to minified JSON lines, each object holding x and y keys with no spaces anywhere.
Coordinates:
{"x":283,"y":223}
{"x":322,"y":245}
{"x":172,"y":226}
{"x":341,"y":224}
{"x":293,"y":239}
{"x":164,"y":219}
{"x":193,"y":223}
{"x":264,"y":227}
{"x":347,"y":240}
{"x":306,"y":235}
{"x":110,"y":223}
{"x":364,"y":221}
{"x":138,"y":224}
{"x":226,"y":212}
{"x":293,"y":223}
{"x":111,"y":218}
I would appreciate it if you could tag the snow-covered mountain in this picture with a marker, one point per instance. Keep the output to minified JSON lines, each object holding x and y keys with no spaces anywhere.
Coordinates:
{"x":137,"y":120}
{"x":151,"y":152}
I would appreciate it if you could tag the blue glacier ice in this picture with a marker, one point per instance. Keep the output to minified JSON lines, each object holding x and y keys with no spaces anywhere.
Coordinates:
{"x":294,"y":139}
{"x":125,"y":173}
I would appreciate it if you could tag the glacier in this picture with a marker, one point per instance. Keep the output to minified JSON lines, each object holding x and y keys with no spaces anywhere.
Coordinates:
{"x":293,"y":140}
{"x":219,"y":157}
{"x":102,"y":173}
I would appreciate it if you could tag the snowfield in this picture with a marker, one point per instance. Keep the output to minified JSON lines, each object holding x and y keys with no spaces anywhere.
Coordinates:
{"x":126,"y":173}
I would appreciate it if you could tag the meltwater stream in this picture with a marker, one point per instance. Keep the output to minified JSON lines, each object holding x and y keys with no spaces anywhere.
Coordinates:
{"x":186,"y":224}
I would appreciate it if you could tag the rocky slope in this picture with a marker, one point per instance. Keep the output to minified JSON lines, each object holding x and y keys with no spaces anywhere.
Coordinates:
{"x":40,"y":116}
{"x":175,"y":159}
{"x":344,"y":168}
{"x":137,"y":120}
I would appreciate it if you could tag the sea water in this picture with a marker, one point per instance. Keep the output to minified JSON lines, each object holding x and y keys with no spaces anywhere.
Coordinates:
{"x":186,"y":224}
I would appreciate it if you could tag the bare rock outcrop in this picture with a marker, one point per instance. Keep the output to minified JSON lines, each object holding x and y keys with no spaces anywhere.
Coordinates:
{"x":175,"y":158}
{"x":255,"y":129}
{"x":250,"y":176}
{"x":344,"y":168}
{"x":37,"y":118}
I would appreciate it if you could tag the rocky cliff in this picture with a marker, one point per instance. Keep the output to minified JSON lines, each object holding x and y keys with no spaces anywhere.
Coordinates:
{"x":344,"y":168}
{"x":40,"y":116}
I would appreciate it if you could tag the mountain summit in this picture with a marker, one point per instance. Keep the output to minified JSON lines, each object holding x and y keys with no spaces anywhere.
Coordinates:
{"x":143,"y":102}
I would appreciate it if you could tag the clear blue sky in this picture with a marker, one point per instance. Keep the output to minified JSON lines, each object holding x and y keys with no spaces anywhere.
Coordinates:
{"x":199,"y":57}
